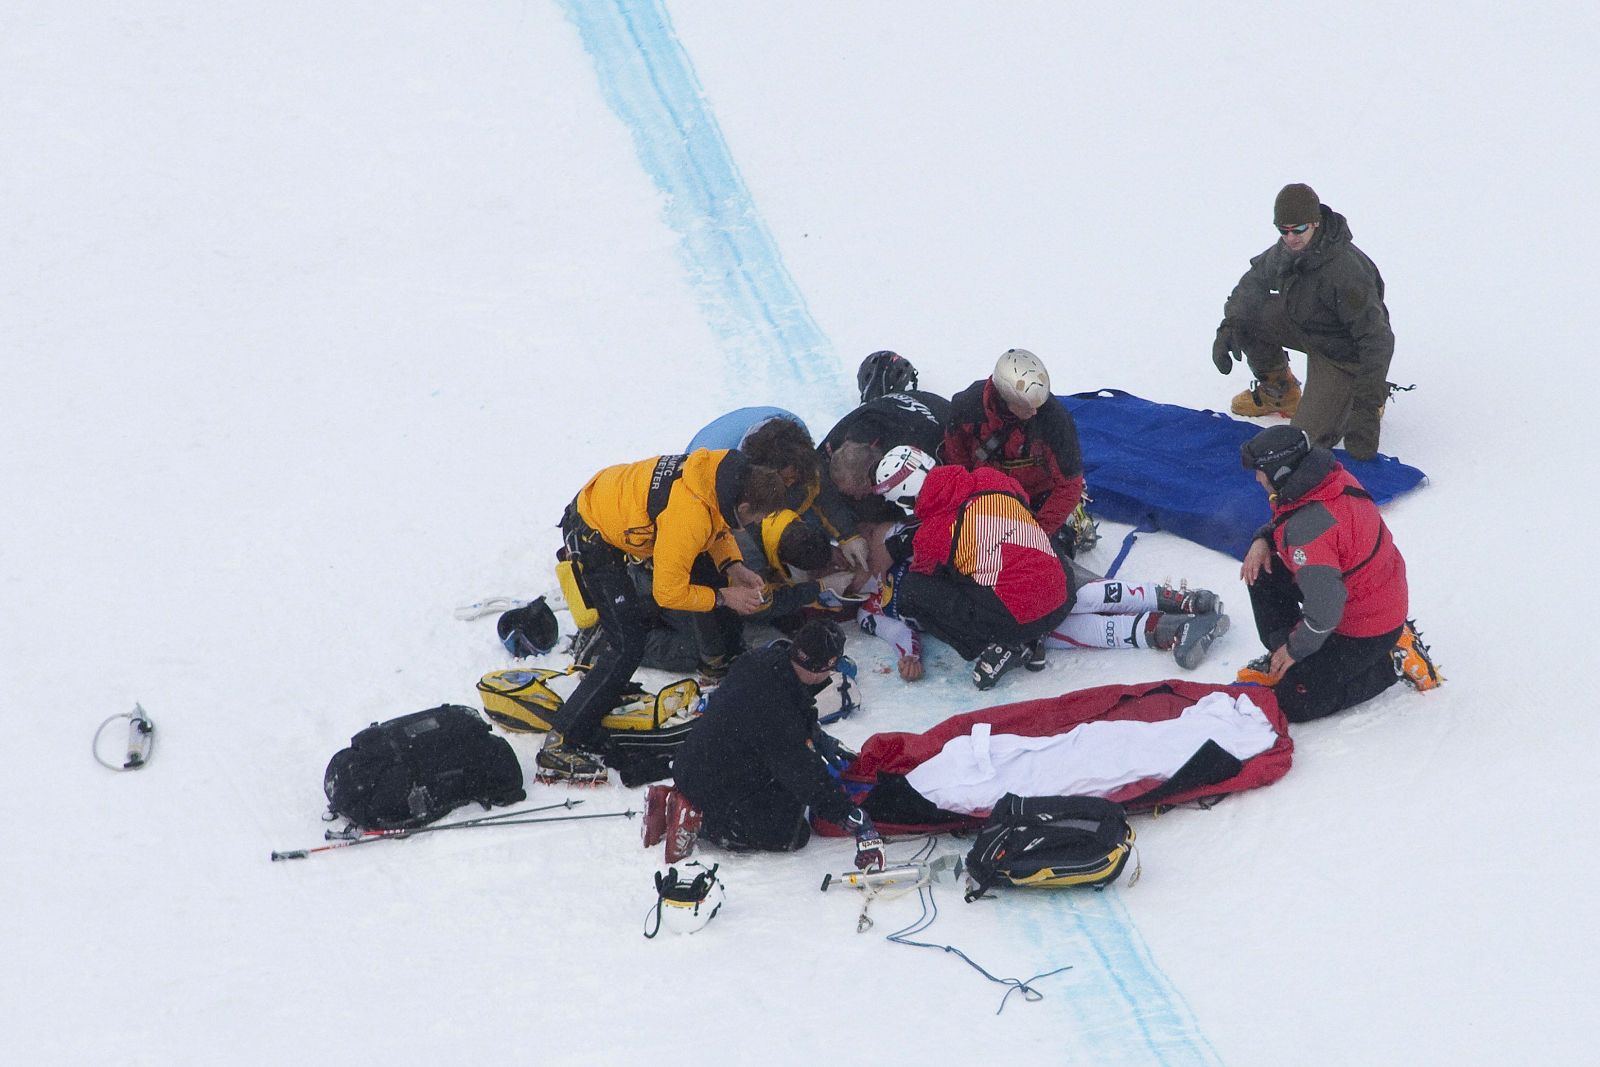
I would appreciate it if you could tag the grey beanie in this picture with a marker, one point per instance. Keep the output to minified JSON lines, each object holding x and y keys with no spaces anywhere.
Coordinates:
{"x":1296,"y":204}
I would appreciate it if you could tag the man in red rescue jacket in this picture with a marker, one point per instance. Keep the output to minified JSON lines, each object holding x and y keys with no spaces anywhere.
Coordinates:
{"x":1327,"y":584}
{"x":984,"y":577}
{"x":1011,"y":422}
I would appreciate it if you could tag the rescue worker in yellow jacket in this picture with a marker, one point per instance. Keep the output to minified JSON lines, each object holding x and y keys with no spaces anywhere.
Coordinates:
{"x":662,"y":513}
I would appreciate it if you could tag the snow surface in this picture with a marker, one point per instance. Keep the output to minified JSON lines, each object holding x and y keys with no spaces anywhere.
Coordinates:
{"x":314,"y":316}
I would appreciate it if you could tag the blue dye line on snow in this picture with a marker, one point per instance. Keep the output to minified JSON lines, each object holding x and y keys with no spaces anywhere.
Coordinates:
{"x":1139,"y":1016}
{"x":752,"y":304}
{"x":745,"y":292}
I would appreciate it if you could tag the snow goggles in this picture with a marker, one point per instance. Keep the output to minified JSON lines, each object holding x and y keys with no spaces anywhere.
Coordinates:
{"x":1302,"y":228}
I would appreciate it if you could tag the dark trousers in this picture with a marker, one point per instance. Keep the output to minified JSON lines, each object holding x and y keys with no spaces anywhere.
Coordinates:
{"x":667,"y":648}
{"x":1266,"y":334}
{"x":605,"y":578}
{"x":625,"y":620}
{"x":686,"y":640}
{"x":967,"y":616}
{"x":768,"y":820}
{"x":1327,"y":410}
{"x":1344,"y":672}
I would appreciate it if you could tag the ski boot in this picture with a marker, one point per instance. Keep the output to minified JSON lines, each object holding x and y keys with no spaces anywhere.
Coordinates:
{"x":1033,"y":654}
{"x":1258,"y":672}
{"x":994,"y":662}
{"x":1412,"y":661}
{"x":656,"y":800}
{"x":559,"y":762}
{"x":1276,"y":393}
{"x":1181,"y":600}
{"x":682,"y":826}
{"x":1188,"y":637}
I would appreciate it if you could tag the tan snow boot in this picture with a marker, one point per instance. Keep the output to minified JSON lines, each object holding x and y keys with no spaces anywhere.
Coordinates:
{"x":1278,"y":393}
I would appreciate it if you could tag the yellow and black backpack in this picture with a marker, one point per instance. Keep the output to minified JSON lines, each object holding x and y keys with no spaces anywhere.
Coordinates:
{"x":1050,"y":842}
{"x":525,"y":699}
{"x":642,"y":733}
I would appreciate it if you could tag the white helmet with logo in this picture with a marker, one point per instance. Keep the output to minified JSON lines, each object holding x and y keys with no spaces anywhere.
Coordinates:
{"x":900,"y":475}
{"x":1020,"y":378}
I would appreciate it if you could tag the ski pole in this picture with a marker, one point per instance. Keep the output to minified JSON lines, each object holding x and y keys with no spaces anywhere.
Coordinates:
{"x":630,"y":813}
{"x":383,"y":835}
{"x":352,"y":835}
{"x":474,"y":824}
{"x":302,"y":853}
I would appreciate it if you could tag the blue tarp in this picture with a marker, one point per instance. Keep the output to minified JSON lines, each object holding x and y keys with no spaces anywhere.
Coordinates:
{"x":1164,"y":467}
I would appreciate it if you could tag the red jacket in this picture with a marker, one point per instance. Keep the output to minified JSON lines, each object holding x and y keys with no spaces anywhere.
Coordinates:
{"x":1344,"y":560}
{"x":1042,"y":454}
{"x":977,"y":523}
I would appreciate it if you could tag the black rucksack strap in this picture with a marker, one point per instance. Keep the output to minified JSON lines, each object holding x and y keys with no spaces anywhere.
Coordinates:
{"x":1383,"y":532}
{"x":668,"y":470}
{"x":1349,"y":490}
{"x":980,"y":456}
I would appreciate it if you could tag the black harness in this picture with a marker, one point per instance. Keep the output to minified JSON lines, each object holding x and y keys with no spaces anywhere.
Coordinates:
{"x":1359,"y":494}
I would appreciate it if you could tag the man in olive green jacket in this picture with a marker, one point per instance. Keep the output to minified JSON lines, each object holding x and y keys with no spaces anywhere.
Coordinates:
{"x":1315,"y":292}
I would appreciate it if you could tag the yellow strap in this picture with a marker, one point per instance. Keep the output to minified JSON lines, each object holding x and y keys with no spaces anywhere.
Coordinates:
{"x":772,"y":528}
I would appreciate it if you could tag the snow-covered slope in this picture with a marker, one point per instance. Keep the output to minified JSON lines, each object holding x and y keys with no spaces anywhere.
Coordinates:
{"x":315,"y":316}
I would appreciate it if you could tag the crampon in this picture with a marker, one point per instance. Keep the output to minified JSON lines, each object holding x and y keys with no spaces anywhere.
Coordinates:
{"x":559,"y":763}
{"x":598,"y":778}
{"x":1085,"y":530}
{"x":1412,"y":661}
{"x":1258,"y":672}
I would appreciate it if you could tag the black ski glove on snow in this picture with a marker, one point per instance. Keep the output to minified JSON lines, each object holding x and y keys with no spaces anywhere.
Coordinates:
{"x":1223,"y":348}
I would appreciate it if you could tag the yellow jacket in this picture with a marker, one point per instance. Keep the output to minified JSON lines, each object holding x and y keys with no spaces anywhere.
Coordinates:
{"x":615,"y":503}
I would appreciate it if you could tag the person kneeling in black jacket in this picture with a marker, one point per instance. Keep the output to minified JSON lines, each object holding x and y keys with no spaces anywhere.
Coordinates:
{"x":750,"y":765}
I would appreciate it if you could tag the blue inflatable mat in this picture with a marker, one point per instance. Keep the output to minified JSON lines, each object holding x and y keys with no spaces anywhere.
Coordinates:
{"x":1164,"y":467}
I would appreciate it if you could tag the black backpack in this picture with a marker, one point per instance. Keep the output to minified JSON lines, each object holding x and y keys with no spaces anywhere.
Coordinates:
{"x":1050,"y":841}
{"x":418,"y":768}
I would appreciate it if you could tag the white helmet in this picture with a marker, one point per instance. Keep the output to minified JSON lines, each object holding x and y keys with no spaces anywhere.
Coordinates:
{"x":685,"y":902}
{"x":900,"y":475}
{"x":1020,"y":377}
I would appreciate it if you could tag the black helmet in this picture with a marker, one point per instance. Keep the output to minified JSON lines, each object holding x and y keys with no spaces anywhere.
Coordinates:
{"x":818,"y":645}
{"x":1275,"y":452}
{"x":530,"y":630}
{"x":885,"y":372}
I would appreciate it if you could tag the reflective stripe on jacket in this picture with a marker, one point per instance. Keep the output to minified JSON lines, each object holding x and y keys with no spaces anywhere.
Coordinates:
{"x":999,"y":544}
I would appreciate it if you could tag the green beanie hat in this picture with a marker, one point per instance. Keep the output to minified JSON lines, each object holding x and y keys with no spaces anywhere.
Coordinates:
{"x":1296,"y":204}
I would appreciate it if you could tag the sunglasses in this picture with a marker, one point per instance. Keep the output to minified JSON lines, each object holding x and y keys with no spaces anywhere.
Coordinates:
{"x":1302,"y":228}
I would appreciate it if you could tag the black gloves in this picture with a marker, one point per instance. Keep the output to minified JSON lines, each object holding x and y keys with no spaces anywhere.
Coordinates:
{"x":831,"y":749}
{"x":1223,"y":348}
